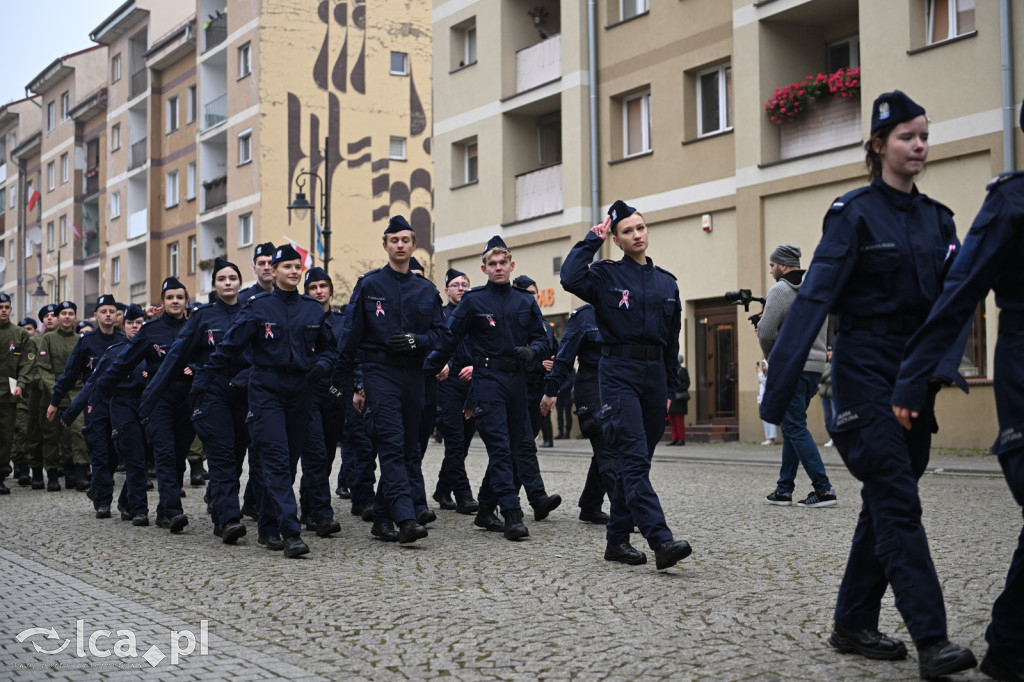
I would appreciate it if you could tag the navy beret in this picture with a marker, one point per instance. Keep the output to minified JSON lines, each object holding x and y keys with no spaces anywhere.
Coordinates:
{"x":495,"y":242}
{"x":82,"y":325}
{"x":221,"y":263}
{"x":416,"y":265}
{"x":28,"y":320}
{"x":452,"y":274}
{"x":133,"y":312}
{"x":5,"y":298}
{"x":317,"y":274}
{"x":892,"y":108}
{"x":283,"y":253}
{"x":264,"y":249}
{"x":523,"y":282}
{"x":106,"y":299}
{"x":171,"y":283}
{"x":120,"y":306}
{"x":619,"y":211}
{"x":397,"y":224}
{"x":67,"y":305}
{"x":48,"y":309}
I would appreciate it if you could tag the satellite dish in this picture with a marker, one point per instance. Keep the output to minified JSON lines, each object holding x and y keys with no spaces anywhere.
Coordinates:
{"x":3,"y":264}
{"x":35,"y":235}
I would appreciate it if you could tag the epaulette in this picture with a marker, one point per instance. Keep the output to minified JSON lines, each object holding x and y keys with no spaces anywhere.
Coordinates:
{"x":369,"y":273}
{"x":1001,"y":178}
{"x":203,"y":306}
{"x":658,"y":267}
{"x":608,"y":261}
{"x":262,"y":294}
{"x":839,"y":204}
{"x":482,"y":286}
{"x":580,"y":309}
{"x":152,"y":319}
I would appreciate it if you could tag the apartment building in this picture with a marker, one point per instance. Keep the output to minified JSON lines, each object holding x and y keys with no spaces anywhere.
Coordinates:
{"x":681,"y":131}
{"x":19,"y":133}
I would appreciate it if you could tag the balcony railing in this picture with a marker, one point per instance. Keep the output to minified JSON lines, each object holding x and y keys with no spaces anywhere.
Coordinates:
{"x":215,"y":112}
{"x":826,"y":124}
{"x":137,"y":224}
{"x":215,"y":193}
{"x":137,"y":293}
{"x":539,"y":192}
{"x":138,"y":84}
{"x":539,"y":64}
{"x":138,"y":154}
{"x":216,"y":31}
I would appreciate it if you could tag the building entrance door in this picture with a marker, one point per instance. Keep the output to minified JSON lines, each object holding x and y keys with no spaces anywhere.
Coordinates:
{"x":715,"y":364}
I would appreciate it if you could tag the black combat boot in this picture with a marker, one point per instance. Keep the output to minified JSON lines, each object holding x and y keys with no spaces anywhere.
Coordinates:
{"x":514,"y":529}
{"x":52,"y":481}
{"x":37,"y":478}
{"x":84,"y":478}
{"x":486,"y":519}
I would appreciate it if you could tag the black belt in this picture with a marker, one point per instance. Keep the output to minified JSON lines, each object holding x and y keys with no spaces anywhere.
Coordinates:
{"x":498,"y":364}
{"x":903,"y":324}
{"x":633,"y":352}
{"x":393,"y":359}
{"x":280,"y":370}
{"x":1011,"y":321}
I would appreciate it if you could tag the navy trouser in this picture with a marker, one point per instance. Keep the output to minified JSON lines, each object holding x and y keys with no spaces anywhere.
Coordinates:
{"x":219,"y":420}
{"x":279,"y":405}
{"x":266,"y":511}
{"x":315,"y":486}
{"x":1005,"y":633}
{"x":130,"y":443}
{"x":394,"y":407}
{"x":358,"y":458}
{"x":525,"y":467}
{"x":101,"y":455}
{"x":332,"y":416}
{"x":889,"y":543}
{"x":501,"y":420}
{"x":457,"y":431}
{"x":170,"y":433}
{"x":604,"y":464}
{"x":633,"y":408}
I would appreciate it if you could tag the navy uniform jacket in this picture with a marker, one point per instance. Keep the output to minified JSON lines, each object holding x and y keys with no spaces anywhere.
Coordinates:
{"x":385,"y":302}
{"x":248,"y":292}
{"x":991,"y":258}
{"x":882,"y":256}
{"x":284,"y":330}
{"x":150,"y":345}
{"x":85,"y":396}
{"x":582,"y":339}
{"x":494,"y":319}
{"x":461,"y":357}
{"x":83,"y":361}
{"x":192,"y":348}
{"x":129,"y":384}
{"x":634,"y":304}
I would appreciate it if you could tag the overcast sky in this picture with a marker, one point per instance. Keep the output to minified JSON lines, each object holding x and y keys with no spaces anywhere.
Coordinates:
{"x":42,"y":31}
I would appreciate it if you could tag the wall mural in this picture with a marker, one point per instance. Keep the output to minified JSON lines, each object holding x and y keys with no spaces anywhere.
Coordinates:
{"x":346,"y":27}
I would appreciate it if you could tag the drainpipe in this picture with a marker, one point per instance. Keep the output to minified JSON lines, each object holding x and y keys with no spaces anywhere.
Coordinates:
{"x":595,"y":193}
{"x":1006,"y":54}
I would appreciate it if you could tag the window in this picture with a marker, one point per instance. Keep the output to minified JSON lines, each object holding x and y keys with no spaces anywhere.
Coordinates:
{"x":244,"y":230}
{"x":64,"y":167}
{"x":463,"y":48}
{"x":115,"y":270}
{"x":636,"y":124}
{"x":844,"y":54}
{"x":949,"y":19}
{"x":396,"y":148}
{"x":464,"y":162}
{"x":51,"y":175}
{"x":192,"y":253}
{"x":244,"y":60}
{"x":62,"y":228}
{"x":191,"y":105}
{"x":171,"y":186}
{"x":172,"y":115}
{"x":115,"y":204}
{"x":3,"y":200}
{"x":972,"y":364}
{"x":14,"y":195}
{"x":244,"y":147}
{"x":631,"y":8}
{"x":714,"y":100}
{"x":51,"y":115}
{"x":549,"y":139}
{"x":115,"y":68}
{"x":173,"y":259}
{"x":49,"y":236}
{"x":399,"y":64}
{"x":115,"y":137}
{"x":190,"y":181}
{"x":65,"y":105}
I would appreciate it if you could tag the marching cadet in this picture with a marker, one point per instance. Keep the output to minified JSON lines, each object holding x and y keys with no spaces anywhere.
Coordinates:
{"x":880,"y":264}
{"x":261,"y":257}
{"x":14,"y":364}
{"x":83,"y":362}
{"x":168,"y":429}
{"x":990,"y":259}
{"x":62,"y":447}
{"x":28,"y":437}
{"x":394,"y":319}
{"x":582,"y":340}
{"x":638,"y":313}
{"x":505,"y":331}
{"x":292,"y":349}
{"x":454,"y":412}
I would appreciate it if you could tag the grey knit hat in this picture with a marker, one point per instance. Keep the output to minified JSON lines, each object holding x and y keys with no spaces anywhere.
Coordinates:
{"x":786,"y":254}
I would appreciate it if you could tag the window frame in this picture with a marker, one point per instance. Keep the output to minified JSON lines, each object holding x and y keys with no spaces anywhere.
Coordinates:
{"x":645,"y":6}
{"x":171,"y":189}
{"x":190,"y":181}
{"x":115,"y":204}
{"x":173,"y":259}
{"x":405,"y":63}
{"x":115,"y":270}
{"x":51,"y":176}
{"x":648,"y":123}
{"x":245,"y":144}
{"x":391,"y":145}
{"x":49,"y":237}
{"x":191,"y":108}
{"x":115,"y":137}
{"x":171,"y":123}
{"x":245,"y":223}
{"x":115,"y":68}
{"x":244,"y":60}
{"x":952,"y":18}
{"x":64,"y":171}
{"x":65,"y":104}
{"x":193,"y":254}
{"x":62,"y":230}
{"x":51,"y":115}
{"x":724,"y":101}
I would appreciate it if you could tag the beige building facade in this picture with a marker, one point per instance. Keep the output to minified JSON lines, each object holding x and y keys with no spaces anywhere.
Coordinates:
{"x":683,"y":134}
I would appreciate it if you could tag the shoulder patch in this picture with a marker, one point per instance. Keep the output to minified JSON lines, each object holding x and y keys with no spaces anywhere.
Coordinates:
{"x":262,"y":294}
{"x":478,"y":288}
{"x":1001,"y":178}
{"x":842,"y":202}
{"x":370,"y":272}
{"x":608,"y":261}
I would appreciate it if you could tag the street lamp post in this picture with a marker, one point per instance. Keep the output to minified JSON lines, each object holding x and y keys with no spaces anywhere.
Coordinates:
{"x":40,"y":294}
{"x":300,"y":204}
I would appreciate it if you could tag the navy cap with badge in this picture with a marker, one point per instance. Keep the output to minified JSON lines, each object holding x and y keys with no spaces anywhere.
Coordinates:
{"x":452,"y":274}
{"x":397,"y":224}
{"x":67,"y":305}
{"x":5,"y":298}
{"x":221,"y":263}
{"x":28,"y":321}
{"x":495,"y":242}
{"x":120,"y":306}
{"x":893,"y":108}
{"x":264,"y":249}
{"x":48,"y":309}
{"x":106,"y":299}
{"x":171,"y":283}
{"x":619,"y":211}
{"x":416,"y":265}
{"x":317,"y":274}
{"x":285,"y":253}
{"x":133,"y":312}
{"x":523,"y":282}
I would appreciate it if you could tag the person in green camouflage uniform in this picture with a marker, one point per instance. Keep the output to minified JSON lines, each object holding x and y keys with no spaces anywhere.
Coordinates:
{"x":28,"y":442}
{"x":13,"y":343}
{"x":62,"y":447}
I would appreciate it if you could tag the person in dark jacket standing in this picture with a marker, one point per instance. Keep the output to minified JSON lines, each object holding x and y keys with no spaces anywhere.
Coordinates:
{"x":14,"y":364}
{"x":639,"y":314}
{"x":679,"y":408}
{"x":880,"y":263}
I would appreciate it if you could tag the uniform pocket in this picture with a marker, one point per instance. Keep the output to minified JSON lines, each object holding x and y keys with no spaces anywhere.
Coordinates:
{"x":875,"y":259}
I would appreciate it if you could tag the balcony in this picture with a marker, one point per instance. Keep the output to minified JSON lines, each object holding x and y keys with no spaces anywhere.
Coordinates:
{"x":539,"y":64}
{"x":216,"y":31}
{"x":829,"y":123}
{"x":137,"y":224}
{"x":215,"y":112}
{"x":92,"y":180}
{"x":137,"y":292}
{"x":138,"y":154}
{"x":539,"y":192}
{"x":215,"y":193}
{"x":138,"y":84}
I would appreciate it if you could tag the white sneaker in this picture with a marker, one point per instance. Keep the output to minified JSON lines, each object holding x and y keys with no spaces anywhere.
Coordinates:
{"x":828,"y":444}
{"x":770,"y":441}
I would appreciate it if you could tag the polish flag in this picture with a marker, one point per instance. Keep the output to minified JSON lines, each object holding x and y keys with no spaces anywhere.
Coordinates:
{"x":307,"y":259}
{"x":77,"y":231}
{"x":33,"y":199}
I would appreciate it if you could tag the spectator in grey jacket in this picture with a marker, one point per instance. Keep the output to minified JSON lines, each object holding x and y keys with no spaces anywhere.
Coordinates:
{"x":798,"y":447}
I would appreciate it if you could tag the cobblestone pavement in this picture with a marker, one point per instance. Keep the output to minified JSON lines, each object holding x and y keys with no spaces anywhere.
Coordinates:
{"x":753,"y":602}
